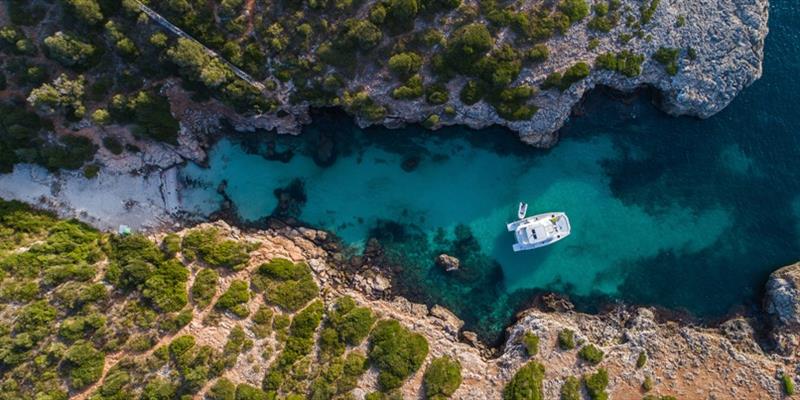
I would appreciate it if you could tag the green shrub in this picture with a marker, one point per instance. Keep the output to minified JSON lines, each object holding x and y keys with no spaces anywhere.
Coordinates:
{"x":596,"y":384}
{"x":171,"y":245}
{"x":339,"y":376}
{"x":442,"y":378}
{"x":526,"y":383}
{"x":113,"y":145}
{"x":286,"y":284}
{"x":648,"y":9}
{"x":223,"y":389}
{"x":396,"y":352}
{"x":207,"y":245}
{"x":84,"y":364}
{"x":788,"y":384}
{"x":437,"y":94}
{"x":235,"y":299}
{"x":472,"y":92}
{"x":405,"y":64}
{"x":247,"y":392}
{"x":625,"y":62}
{"x":299,"y":343}
{"x":566,"y":339}
{"x":165,"y":288}
{"x":69,"y":51}
{"x":668,"y":57}
{"x":571,"y":389}
{"x":204,"y":287}
{"x":576,"y":10}
{"x":262,"y":322}
{"x":412,"y":89}
{"x":466,"y":46}
{"x":538,"y":53}
{"x":531,"y":343}
{"x":647,"y":385}
{"x":641,"y":360}
{"x":591,"y":354}
{"x":237,"y":342}
{"x":346,"y":325}
{"x":159,"y":389}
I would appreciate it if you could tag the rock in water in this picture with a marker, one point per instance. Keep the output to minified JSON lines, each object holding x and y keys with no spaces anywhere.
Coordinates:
{"x":448,"y":262}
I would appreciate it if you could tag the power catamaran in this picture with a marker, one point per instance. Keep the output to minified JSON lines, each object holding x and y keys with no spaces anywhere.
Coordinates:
{"x":538,"y":230}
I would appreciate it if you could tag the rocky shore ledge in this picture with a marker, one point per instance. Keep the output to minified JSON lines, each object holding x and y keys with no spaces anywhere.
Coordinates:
{"x":721,"y":45}
{"x":688,"y":362}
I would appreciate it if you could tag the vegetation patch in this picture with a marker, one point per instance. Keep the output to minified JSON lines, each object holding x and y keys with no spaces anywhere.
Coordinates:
{"x":208,"y":245}
{"x":235,"y":299}
{"x":596,"y":384}
{"x":442,"y":378}
{"x":396,"y":352}
{"x":286,"y":284}
{"x":591,"y":354}
{"x":526,"y":383}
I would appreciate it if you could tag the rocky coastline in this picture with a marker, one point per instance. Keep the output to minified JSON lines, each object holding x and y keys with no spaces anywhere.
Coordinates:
{"x":683,"y":360}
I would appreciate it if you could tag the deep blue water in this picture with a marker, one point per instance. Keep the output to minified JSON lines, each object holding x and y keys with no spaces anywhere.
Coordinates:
{"x":682,"y":213}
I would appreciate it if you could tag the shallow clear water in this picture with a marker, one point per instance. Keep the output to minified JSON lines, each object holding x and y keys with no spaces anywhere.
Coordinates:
{"x":675,"y":212}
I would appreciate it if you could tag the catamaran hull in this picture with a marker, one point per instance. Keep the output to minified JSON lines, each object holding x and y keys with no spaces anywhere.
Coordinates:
{"x":523,"y":229}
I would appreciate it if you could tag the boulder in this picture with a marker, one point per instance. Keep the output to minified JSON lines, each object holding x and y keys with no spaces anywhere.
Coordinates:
{"x":448,"y":262}
{"x":782,"y":304}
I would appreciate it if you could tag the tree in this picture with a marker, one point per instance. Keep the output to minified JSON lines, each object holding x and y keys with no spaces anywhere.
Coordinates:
{"x":467,"y":46}
{"x":576,"y":10}
{"x":68,"y":50}
{"x":442,"y":378}
{"x":526,"y":383}
{"x":405,"y":64}
{"x":62,"y":93}
{"x":87,"y":10}
{"x":396,"y":352}
{"x":199,"y":65}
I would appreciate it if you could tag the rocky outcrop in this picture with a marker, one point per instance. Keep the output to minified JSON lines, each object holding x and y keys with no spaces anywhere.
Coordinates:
{"x":684,"y":361}
{"x":447,"y":262}
{"x":782,"y":303}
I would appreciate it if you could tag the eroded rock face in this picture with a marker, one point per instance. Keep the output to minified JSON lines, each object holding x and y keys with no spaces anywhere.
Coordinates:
{"x":726,"y":37}
{"x":683,"y":361}
{"x":782,"y":303}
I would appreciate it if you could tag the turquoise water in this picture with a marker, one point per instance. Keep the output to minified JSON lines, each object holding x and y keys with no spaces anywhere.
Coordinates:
{"x":676,"y":212}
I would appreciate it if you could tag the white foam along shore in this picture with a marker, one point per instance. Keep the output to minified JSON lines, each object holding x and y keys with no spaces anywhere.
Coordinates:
{"x":140,"y":201}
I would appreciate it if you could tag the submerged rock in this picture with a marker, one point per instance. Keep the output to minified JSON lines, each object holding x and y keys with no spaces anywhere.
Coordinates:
{"x":448,"y":262}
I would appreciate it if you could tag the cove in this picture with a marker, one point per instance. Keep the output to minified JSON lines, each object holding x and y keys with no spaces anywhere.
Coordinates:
{"x":680,"y":213}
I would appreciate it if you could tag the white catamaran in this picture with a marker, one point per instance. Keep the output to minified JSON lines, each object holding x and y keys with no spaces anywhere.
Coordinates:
{"x":538,"y":230}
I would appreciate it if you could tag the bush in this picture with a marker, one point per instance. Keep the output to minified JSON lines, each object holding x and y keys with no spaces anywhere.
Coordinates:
{"x":207,"y":245}
{"x":166,"y":287}
{"x":641,"y":360}
{"x":396,"y":352}
{"x":223,"y":389}
{"x":113,"y":145}
{"x":472,"y":92}
{"x":288,"y":285}
{"x":87,"y":10}
{"x":84,"y":364}
{"x":204,"y":287}
{"x":648,"y":9}
{"x":299,"y":343}
{"x":437,"y":94}
{"x":566,"y":339}
{"x":531,"y":343}
{"x":412,"y":89}
{"x":668,"y":57}
{"x":442,"y":378}
{"x":346,"y":325}
{"x":262,"y":322}
{"x":788,"y":384}
{"x":526,"y":383}
{"x":171,"y":245}
{"x":235,"y":299}
{"x":576,"y":10}
{"x":591,"y":354}
{"x":596,"y":384}
{"x":467,"y":45}
{"x":69,"y":51}
{"x":538,"y":53}
{"x":405,"y":64}
{"x":571,"y":389}
{"x":247,"y":392}
{"x":625,"y":62}
{"x":647,"y":385}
